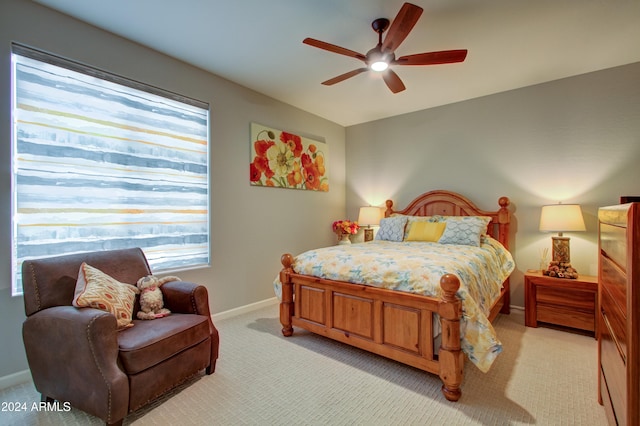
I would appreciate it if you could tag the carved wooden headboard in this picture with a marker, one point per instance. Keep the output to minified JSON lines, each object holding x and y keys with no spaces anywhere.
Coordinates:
{"x":447,"y":203}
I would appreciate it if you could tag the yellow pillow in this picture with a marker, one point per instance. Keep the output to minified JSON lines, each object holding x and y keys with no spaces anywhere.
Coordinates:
{"x":95,"y":289}
{"x":426,"y":231}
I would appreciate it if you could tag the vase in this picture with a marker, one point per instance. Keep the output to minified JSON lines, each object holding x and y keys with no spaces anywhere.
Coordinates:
{"x":344,"y":239}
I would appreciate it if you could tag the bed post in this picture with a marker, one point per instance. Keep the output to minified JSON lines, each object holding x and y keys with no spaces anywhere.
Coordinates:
{"x":504,"y":219}
{"x":389,"y":211}
{"x":286,"y":304}
{"x":450,"y":353}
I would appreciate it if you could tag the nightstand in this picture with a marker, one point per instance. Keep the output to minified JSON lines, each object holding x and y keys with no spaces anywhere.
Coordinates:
{"x":561,"y":301}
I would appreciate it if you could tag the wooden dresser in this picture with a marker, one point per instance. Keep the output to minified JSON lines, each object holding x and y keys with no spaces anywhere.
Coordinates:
{"x":619,"y":312}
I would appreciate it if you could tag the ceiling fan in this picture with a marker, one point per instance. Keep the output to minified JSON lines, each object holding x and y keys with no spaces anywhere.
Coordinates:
{"x":381,"y":57}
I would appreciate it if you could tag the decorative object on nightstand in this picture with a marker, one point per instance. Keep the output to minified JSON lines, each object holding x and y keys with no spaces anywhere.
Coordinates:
{"x":369,"y":216}
{"x":544,"y":259}
{"x":344,"y":228}
{"x":561,"y":218}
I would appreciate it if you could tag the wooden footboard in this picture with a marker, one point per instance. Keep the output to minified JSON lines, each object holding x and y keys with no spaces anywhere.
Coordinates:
{"x":393,"y":324}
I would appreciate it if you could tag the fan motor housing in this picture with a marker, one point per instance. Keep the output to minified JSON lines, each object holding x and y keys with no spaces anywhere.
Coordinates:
{"x":380,"y":25}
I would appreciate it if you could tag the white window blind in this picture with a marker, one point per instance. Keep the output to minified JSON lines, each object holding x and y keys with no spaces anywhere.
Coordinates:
{"x":101,"y":162}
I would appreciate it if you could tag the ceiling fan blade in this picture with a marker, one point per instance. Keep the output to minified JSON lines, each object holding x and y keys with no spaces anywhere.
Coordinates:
{"x":333,"y":48}
{"x":401,"y":26}
{"x":433,"y":58}
{"x":344,"y":76}
{"x":393,"y":81}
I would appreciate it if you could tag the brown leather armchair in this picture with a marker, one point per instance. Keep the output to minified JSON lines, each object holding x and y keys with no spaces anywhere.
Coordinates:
{"x":77,"y":355}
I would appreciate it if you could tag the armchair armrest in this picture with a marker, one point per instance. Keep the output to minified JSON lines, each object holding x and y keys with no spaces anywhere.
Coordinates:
{"x":186,"y":298}
{"x":73,"y":356}
{"x":190,"y":298}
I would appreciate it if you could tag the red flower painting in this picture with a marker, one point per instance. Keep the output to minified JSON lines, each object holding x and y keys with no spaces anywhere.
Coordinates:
{"x":285,"y":160}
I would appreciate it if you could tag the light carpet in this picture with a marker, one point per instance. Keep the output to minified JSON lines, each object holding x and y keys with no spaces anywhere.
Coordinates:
{"x":543,"y":377}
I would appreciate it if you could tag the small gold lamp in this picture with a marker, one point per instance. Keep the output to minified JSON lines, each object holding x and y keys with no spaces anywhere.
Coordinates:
{"x":369,"y":216}
{"x":561,"y":218}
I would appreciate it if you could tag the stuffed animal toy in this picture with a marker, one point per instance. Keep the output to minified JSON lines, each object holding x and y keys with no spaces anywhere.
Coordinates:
{"x":151,"y":302}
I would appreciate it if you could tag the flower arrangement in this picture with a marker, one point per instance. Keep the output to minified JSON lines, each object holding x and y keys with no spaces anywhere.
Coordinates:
{"x":345,"y":227}
{"x":286,"y":162}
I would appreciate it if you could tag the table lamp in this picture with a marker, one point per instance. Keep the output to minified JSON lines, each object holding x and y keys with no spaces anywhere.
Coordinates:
{"x":369,"y":216}
{"x":561,"y":218}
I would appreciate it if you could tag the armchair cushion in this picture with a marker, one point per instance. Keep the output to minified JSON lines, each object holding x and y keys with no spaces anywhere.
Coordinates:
{"x":95,"y":289}
{"x":151,"y":342}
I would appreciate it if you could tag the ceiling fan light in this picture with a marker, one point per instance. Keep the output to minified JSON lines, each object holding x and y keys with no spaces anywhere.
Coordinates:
{"x":379,"y":66}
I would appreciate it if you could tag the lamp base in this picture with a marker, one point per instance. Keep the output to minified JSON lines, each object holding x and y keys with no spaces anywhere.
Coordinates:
{"x":560,"y":249}
{"x":560,"y":266}
{"x":368,"y":234}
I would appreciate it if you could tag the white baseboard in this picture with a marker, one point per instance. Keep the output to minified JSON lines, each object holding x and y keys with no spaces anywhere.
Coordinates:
{"x":274,"y":301}
{"x":244,"y":309}
{"x":15,"y":379}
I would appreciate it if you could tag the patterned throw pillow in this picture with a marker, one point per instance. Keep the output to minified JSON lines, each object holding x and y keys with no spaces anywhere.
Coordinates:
{"x":392,"y":228}
{"x":95,"y":289}
{"x":464,"y":230}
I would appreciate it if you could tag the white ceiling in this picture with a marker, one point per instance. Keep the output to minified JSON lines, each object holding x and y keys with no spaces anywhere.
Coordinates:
{"x":258,"y":44}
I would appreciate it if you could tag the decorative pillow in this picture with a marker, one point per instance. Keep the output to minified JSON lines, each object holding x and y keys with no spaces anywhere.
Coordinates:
{"x":417,"y":219}
{"x":392,"y":228}
{"x":426,"y":231}
{"x":464,"y":230}
{"x":95,"y":289}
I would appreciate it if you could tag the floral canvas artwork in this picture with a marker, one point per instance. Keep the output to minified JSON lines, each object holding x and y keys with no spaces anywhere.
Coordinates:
{"x":285,"y":160}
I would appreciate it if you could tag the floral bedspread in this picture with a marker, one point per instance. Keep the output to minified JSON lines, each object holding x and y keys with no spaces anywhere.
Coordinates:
{"x":417,"y":267}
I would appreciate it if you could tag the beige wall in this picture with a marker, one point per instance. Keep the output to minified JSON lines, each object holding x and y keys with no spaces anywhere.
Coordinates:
{"x":250,"y":227}
{"x":575,"y":140}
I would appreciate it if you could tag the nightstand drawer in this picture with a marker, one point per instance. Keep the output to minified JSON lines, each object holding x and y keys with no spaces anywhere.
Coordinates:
{"x":566,"y":298}
{"x":561,"y":315}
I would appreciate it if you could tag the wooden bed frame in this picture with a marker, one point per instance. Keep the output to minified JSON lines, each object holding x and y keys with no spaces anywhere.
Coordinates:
{"x":394,"y":324}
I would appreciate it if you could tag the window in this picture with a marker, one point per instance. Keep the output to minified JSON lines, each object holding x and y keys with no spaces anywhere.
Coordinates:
{"x":101,"y":162}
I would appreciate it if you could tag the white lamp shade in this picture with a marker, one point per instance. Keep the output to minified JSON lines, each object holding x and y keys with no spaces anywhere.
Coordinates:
{"x":369,"y":216}
{"x":561,"y":218}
